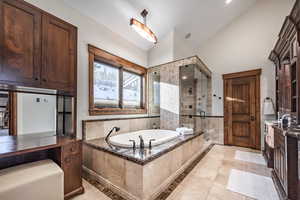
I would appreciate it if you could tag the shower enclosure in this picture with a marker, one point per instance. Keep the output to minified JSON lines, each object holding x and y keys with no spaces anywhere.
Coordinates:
{"x":180,"y":92}
{"x":195,"y":97}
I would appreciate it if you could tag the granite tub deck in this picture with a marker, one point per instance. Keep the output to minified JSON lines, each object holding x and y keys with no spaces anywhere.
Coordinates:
{"x":141,"y":175}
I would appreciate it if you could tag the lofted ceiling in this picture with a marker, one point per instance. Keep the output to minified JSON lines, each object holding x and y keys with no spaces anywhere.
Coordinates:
{"x":201,"y":18}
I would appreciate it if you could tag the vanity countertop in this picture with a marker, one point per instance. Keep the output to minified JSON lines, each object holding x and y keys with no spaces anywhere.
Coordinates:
{"x":16,"y":145}
{"x":138,"y":156}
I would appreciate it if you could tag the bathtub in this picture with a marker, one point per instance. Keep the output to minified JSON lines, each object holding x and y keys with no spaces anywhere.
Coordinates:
{"x":160,"y":136}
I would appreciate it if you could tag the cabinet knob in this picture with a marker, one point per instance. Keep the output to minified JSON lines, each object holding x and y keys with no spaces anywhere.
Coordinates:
{"x":36,"y":79}
{"x":45,"y":80}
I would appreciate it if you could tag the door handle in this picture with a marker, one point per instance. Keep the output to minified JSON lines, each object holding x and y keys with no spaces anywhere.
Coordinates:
{"x":252,"y":118}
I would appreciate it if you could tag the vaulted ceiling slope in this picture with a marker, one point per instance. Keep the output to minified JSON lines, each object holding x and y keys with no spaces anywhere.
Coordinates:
{"x":201,"y":18}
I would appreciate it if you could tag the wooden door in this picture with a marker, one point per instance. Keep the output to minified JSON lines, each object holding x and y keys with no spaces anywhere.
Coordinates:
{"x":20,"y":43}
{"x":242,"y":109}
{"x":59,"y":54}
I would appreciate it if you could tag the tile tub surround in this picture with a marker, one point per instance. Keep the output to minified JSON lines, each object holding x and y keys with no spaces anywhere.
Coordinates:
{"x":140,"y":157}
{"x":141,"y":182}
{"x":93,"y":129}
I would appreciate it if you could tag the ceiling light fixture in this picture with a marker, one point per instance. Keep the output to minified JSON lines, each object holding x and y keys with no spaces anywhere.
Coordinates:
{"x":228,"y":1}
{"x":142,"y":28}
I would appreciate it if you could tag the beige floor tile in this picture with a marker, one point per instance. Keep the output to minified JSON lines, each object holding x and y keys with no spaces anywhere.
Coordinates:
{"x":207,"y":181}
{"x":218,"y":192}
{"x":192,"y":189}
{"x":91,"y":193}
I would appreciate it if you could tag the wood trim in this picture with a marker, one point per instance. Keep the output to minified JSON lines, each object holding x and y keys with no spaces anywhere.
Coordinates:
{"x":13,"y":113}
{"x":255,"y":72}
{"x":115,"y":60}
{"x":226,"y":81}
{"x":106,"y":57}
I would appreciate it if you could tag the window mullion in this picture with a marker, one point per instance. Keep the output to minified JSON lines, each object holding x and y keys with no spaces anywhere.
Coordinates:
{"x":142,"y":93}
{"x":121,"y":88}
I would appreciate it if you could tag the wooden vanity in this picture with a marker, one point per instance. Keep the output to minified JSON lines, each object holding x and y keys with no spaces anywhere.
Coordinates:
{"x":38,"y":52}
{"x":286,"y":163}
{"x":286,"y":56}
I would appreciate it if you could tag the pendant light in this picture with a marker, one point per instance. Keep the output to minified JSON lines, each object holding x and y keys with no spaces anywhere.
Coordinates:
{"x":142,"y":29}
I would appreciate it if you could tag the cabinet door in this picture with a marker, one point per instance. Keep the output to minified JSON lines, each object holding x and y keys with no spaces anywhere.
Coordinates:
{"x":71,"y":165}
{"x":72,"y":173}
{"x":280,"y":158}
{"x":59,"y":56}
{"x":20,"y":43}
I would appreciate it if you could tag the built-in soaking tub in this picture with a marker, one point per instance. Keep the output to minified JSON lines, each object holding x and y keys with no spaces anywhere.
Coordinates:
{"x":157,"y":136}
{"x":141,"y":174}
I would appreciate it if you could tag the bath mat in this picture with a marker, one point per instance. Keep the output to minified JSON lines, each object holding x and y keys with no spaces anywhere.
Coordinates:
{"x":256,"y":158}
{"x":252,"y":185}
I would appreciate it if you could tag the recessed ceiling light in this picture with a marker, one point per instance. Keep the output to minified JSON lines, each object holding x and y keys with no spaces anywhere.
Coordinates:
{"x":228,"y":1}
{"x":143,"y":29}
{"x":184,"y":77}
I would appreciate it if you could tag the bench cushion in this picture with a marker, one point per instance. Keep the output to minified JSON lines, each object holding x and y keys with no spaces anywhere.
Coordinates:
{"x":37,"y":180}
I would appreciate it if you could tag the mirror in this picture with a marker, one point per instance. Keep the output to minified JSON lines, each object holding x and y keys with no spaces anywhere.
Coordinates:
{"x":26,"y":113}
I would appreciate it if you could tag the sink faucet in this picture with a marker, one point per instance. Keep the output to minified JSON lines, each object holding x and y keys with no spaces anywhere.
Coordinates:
{"x":142,"y":144}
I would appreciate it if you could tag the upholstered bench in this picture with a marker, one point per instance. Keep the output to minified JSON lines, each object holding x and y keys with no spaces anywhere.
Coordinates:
{"x":42,"y":180}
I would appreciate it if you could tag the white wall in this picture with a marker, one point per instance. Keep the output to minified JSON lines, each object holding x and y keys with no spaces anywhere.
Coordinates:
{"x":246,"y":44}
{"x":172,"y":47}
{"x":183,"y":48}
{"x":33,"y":116}
{"x":163,"y":51}
{"x":90,"y":32}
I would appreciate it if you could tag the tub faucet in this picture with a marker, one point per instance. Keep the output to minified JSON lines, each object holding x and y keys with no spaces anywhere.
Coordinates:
{"x":142,"y":144}
{"x":111,"y":131}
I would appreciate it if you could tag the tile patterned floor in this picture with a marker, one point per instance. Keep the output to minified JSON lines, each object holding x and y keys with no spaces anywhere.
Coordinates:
{"x":207,"y":181}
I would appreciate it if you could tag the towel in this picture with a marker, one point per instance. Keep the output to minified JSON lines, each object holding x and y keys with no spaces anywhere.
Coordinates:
{"x":185,"y":131}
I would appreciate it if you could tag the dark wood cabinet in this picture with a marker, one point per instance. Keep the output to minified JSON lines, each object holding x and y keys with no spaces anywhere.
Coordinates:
{"x":59,"y":54}
{"x":279,"y":157}
{"x":71,"y":165}
{"x":20,"y":43}
{"x":285,"y":173}
{"x":36,"y":49}
{"x":285,"y":55}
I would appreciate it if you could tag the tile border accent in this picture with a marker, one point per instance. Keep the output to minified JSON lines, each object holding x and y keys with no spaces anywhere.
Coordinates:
{"x":164,"y":194}
{"x":120,"y":118}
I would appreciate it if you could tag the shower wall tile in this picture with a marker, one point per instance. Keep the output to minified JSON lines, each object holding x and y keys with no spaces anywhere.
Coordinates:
{"x":216,"y":130}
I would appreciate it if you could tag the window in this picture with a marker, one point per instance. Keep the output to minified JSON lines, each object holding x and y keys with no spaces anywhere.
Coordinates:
{"x":106,"y":85}
{"x":117,"y":86}
{"x":132,"y":88}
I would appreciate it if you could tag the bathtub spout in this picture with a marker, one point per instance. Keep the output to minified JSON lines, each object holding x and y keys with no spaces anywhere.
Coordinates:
{"x":142,"y":144}
{"x":111,"y":131}
{"x":150,"y":143}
